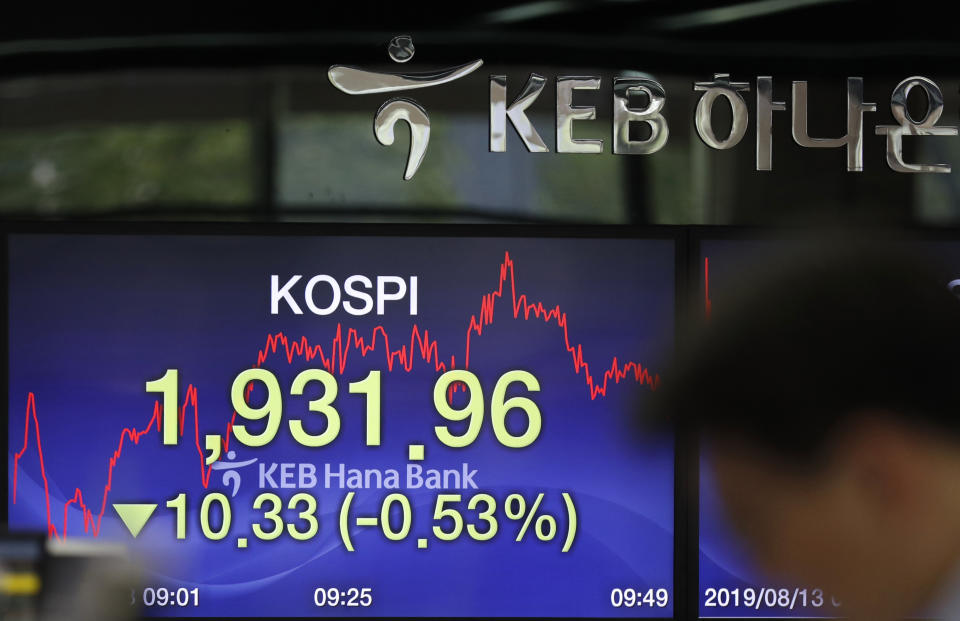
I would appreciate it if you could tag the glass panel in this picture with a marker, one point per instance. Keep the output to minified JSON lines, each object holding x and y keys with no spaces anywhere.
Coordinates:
{"x":334,"y":160}
{"x":95,"y":168}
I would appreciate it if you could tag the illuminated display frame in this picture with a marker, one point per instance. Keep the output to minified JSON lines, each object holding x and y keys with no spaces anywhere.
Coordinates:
{"x":679,"y":236}
{"x":695,"y":303}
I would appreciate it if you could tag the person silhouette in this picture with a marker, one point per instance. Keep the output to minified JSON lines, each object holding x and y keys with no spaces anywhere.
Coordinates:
{"x":822,"y":390}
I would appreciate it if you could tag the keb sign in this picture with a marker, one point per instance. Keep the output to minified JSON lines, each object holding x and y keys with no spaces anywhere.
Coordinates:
{"x":359,"y":81}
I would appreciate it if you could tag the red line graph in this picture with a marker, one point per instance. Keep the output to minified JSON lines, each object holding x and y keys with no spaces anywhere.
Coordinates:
{"x":335,"y":359}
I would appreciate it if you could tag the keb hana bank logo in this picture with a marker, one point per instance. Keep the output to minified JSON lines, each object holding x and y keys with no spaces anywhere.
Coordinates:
{"x":640,"y":99}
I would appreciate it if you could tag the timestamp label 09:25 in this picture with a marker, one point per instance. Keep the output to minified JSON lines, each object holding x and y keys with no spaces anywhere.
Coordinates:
{"x":352,"y":597}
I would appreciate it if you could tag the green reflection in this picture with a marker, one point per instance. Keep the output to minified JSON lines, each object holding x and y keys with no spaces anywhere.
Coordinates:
{"x":103,"y":167}
{"x":335,"y":160}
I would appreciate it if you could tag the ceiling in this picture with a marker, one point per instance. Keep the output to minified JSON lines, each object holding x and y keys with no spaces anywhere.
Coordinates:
{"x":750,"y":34}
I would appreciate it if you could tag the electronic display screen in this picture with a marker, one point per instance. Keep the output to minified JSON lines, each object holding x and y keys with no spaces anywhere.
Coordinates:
{"x":731,"y":586}
{"x":349,"y":425}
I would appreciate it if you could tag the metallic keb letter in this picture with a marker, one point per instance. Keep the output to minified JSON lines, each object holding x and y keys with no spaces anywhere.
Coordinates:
{"x":567,"y":113}
{"x":853,"y":139}
{"x":623,"y":115}
{"x":517,"y":113}
{"x":721,"y":86}
{"x":909,"y":126}
{"x":766,"y":106}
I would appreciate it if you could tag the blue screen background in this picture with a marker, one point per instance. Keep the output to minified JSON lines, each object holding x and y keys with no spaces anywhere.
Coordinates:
{"x":91,"y":318}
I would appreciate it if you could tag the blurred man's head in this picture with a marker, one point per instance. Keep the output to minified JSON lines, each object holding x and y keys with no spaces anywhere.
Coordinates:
{"x":825,"y":391}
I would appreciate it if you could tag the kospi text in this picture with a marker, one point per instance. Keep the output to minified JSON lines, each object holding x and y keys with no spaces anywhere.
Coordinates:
{"x":323,"y":294}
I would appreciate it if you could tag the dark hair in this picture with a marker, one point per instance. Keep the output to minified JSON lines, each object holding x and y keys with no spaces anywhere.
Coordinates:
{"x":814,"y":338}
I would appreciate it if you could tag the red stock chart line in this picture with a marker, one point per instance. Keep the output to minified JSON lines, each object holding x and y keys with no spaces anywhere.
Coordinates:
{"x":334,"y":359}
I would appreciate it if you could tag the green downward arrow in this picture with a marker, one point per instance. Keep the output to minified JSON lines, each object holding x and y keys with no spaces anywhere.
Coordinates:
{"x":134,"y":516}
